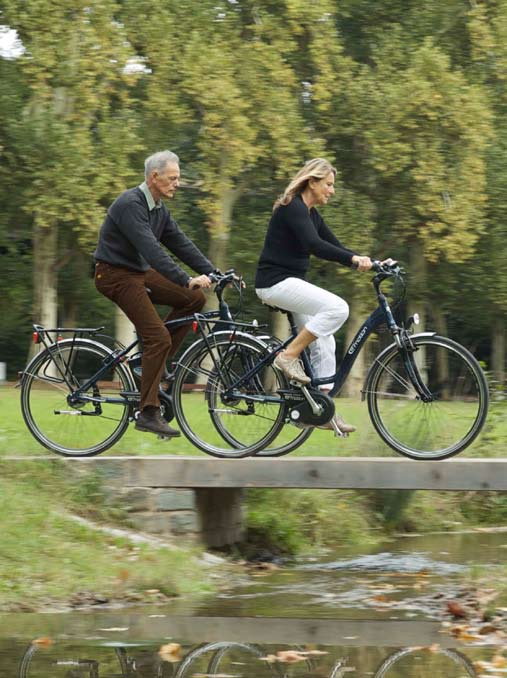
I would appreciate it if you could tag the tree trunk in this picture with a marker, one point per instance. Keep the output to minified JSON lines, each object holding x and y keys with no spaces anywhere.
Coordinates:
{"x":45,"y":281}
{"x":279,"y":325}
{"x":442,"y":356}
{"x":220,"y":232}
{"x":220,"y":228}
{"x":418,"y":290}
{"x":498,"y":349}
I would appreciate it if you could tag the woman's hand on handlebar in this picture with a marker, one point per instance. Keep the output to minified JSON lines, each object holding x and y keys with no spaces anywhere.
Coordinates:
{"x":199,"y":282}
{"x":362,"y":263}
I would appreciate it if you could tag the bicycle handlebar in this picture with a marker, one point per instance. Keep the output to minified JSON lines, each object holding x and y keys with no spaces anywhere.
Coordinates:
{"x":387,"y":269}
{"x":223,"y":279}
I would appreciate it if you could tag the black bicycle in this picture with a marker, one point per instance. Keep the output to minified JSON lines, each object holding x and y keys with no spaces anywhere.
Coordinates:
{"x":427,"y":395}
{"x":80,"y":392}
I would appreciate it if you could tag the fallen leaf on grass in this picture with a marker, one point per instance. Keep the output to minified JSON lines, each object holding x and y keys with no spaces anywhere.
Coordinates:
{"x":170,"y":652}
{"x":44,"y":641}
{"x":456,"y":609}
{"x":285,"y":657}
{"x":123,"y":575}
{"x":499,"y":661}
{"x":383,"y":600}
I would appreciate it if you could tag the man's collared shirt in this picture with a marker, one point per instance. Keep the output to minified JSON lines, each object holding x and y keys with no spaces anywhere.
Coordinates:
{"x":152,"y":205}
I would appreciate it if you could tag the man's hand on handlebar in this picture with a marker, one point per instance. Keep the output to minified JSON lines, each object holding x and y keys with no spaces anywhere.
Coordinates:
{"x":199,"y":282}
{"x":362,"y":263}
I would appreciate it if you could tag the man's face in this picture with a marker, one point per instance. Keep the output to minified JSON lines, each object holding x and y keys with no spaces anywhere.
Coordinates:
{"x":167,"y":181}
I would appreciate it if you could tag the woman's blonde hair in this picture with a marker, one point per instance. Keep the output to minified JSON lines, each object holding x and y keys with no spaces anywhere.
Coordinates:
{"x":318,"y":168}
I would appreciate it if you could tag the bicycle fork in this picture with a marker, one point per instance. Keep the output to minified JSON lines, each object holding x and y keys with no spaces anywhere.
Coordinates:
{"x":407,"y":350}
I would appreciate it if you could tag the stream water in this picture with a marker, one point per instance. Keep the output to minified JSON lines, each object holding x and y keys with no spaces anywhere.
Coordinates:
{"x":370,"y":614}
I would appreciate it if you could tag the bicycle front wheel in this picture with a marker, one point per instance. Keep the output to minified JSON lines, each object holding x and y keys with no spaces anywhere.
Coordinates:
{"x":242,"y":425}
{"x":453,"y":416}
{"x":84,"y":428}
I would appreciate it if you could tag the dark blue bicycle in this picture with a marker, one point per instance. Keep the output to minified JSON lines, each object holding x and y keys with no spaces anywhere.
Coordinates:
{"x":427,"y":395}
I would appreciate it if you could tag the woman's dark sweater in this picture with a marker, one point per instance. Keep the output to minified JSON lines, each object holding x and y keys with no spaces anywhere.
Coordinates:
{"x":294,"y":232}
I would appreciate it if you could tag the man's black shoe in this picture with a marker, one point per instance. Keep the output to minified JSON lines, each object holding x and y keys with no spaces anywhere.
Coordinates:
{"x":150,"y":421}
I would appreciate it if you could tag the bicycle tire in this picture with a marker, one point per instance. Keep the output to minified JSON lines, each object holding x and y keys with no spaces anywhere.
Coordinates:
{"x":217,"y":369}
{"x":457,"y":658}
{"x":218,"y":649}
{"x":290,"y":437}
{"x":74,"y":431}
{"x":428,"y":430}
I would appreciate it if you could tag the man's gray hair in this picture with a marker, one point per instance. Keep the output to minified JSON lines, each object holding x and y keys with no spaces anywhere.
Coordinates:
{"x":159,"y":161}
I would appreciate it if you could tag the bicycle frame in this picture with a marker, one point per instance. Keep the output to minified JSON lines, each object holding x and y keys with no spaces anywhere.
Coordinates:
{"x":221,"y":319}
{"x":382,"y":314}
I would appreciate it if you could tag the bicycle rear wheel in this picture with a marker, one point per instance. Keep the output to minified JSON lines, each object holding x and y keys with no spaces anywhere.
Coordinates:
{"x":243,"y":425}
{"x":454,"y":416}
{"x":82,"y":429}
{"x":291,"y":436}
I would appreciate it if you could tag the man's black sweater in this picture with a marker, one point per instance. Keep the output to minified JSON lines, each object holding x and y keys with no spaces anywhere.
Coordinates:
{"x":131,"y":235}
{"x":294,"y":232}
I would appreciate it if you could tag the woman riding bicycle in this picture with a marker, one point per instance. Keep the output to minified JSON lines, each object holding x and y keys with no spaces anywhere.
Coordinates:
{"x":297,"y":230}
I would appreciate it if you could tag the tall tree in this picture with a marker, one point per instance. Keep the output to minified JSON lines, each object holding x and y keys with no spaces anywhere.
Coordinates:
{"x":78,"y":130}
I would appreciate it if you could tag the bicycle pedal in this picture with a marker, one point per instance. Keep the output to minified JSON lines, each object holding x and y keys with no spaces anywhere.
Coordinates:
{"x":163,"y":437}
{"x":337,"y":430}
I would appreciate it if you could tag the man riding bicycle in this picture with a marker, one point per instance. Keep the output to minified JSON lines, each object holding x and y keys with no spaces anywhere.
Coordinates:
{"x":133,"y":270}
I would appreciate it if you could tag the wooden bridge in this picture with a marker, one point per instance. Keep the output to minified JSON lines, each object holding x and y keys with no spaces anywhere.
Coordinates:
{"x":134,"y":627}
{"x":202,"y":496}
{"x":384,"y":473}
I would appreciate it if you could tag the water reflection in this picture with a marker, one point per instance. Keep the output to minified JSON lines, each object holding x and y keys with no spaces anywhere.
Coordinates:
{"x":178,"y":658}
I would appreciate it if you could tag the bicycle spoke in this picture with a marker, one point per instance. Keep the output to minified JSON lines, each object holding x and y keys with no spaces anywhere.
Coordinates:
{"x":239,"y":425}
{"x":55,"y":420}
{"x":441,"y":426}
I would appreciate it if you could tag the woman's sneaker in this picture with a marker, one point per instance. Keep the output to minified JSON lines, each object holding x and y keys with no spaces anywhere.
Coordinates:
{"x":150,"y":421}
{"x":292,"y":368}
{"x":342,"y":425}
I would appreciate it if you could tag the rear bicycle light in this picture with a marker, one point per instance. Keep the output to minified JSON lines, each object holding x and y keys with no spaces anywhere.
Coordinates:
{"x":36,"y":337}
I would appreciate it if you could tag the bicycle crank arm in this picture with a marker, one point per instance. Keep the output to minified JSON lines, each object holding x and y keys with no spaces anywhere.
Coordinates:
{"x":78,"y":413}
{"x":316,"y":408}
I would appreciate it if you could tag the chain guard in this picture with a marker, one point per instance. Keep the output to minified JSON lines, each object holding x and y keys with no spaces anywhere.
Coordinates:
{"x":300,"y":411}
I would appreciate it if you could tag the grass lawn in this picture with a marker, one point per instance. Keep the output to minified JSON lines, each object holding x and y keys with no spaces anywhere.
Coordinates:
{"x":15,"y":439}
{"x":47,"y":558}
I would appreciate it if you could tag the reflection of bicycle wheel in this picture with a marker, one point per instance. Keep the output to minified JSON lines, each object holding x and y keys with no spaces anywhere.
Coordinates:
{"x":64,"y":661}
{"x":223,"y":657}
{"x":443,"y":662}
{"x":339,"y":669}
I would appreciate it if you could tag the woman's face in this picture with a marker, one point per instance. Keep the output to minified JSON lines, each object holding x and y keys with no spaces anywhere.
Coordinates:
{"x":322,"y":189}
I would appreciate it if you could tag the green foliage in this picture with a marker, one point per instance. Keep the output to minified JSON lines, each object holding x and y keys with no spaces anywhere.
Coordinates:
{"x":408,"y":99}
{"x":295,"y":521}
